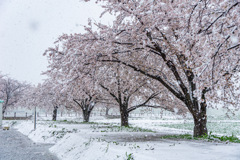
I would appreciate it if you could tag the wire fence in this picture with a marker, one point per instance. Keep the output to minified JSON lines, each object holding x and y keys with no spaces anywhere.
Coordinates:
{"x":21,"y":115}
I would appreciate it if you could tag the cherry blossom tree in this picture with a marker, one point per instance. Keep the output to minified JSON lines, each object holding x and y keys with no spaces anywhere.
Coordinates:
{"x":82,"y":95}
{"x":50,"y":96}
{"x":46,"y":95}
{"x":11,"y":91}
{"x":80,"y":90}
{"x":30,"y":98}
{"x":129,"y":90}
{"x":107,"y":109}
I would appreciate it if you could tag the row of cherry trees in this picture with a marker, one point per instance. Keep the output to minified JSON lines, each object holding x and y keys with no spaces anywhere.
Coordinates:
{"x":48,"y":96}
{"x":86,"y":85}
{"x":168,"y":54}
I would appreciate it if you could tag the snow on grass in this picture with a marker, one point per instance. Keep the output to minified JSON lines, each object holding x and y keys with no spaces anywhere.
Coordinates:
{"x":88,"y":149}
{"x":98,"y":149}
{"x":46,"y":132}
{"x":220,"y":127}
{"x":105,"y":139}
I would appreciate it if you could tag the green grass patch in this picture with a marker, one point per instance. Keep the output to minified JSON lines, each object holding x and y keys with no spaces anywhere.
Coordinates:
{"x":137,"y":129}
{"x":88,"y":123}
{"x":68,"y":122}
{"x":180,"y":136}
{"x":209,"y":137}
{"x":212,"y":137}
{"x":74,"y":122}
{"x":114,"y":128}
{"x":60,"y":133}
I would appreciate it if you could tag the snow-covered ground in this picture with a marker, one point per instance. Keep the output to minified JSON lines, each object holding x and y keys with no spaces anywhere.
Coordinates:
{"x":104,"y":139}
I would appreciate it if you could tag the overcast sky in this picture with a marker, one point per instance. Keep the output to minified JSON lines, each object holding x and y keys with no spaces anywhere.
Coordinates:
{"x":29,"y":27}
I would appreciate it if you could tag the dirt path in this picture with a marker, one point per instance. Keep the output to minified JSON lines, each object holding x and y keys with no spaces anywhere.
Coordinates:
{"x":16,"y":146}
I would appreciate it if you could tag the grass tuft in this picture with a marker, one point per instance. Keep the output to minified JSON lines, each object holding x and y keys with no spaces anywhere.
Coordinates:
{"x":115,"y":128}
{"x":181,"y":136}
{"x":212,"y":137}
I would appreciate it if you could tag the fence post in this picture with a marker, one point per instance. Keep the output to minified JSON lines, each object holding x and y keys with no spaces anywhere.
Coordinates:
{"x":35,"y":118}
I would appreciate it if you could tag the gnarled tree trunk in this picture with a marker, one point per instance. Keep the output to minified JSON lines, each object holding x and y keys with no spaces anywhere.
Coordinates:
{"x":124,"y":115}
{"x":200,"y":127}
{"x":199,"y":116}
{"x":86,"y":115}
{"x":87,"y":106}
{"x":200,"y":121}
{"x":54,"y":117}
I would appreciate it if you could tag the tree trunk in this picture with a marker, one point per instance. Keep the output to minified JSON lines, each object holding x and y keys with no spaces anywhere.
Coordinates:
{"x":4,"y":107}
{"x":124,"y":116}
{"x":54,"y":117}
{"x":3,"y":112}
{"x":200,"y":121}
{"x":200,"y":127}
{"x":107,"y":111}
{"x":86,"y":115}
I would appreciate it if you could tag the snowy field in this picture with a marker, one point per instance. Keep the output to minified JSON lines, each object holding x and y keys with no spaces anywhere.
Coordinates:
{"x":146,"y":139}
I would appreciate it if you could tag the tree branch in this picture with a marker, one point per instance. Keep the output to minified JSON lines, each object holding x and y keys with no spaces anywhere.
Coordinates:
{"x":142,"y":104}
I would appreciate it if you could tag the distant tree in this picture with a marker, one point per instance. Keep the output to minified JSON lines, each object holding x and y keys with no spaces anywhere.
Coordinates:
{"x":83,"y":96}
{"x":107,"y":108}
{"x":46,"y":95}
{"x":11,"y":91}
{"x":80,"y":91}
{"x":30,"y":97}
{"x":51,"y":97}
